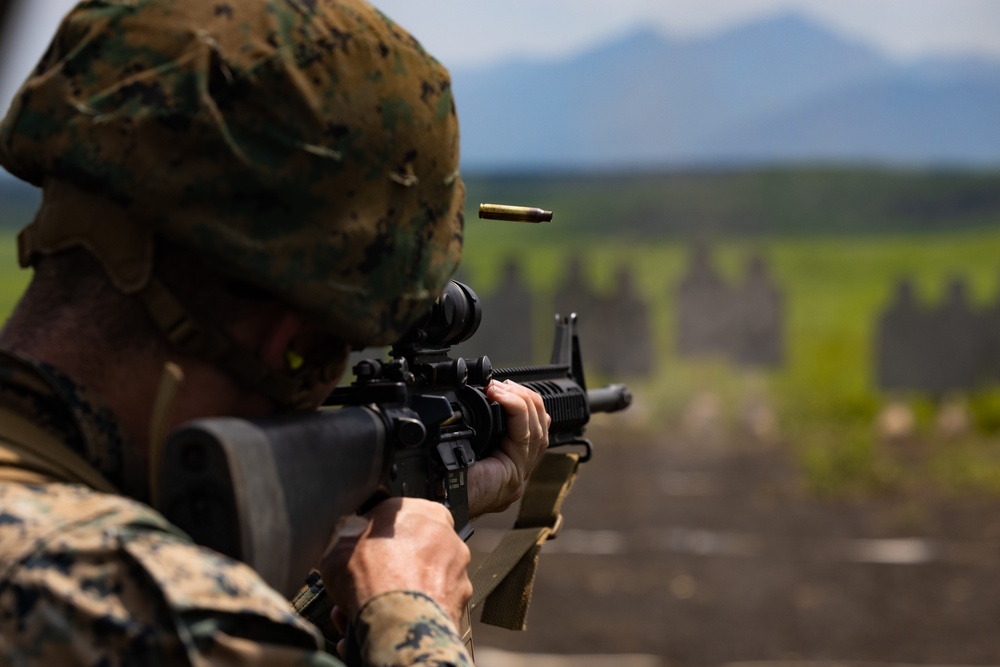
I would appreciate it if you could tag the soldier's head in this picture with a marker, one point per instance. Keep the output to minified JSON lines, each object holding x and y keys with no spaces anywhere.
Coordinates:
{"x":213,"y":153}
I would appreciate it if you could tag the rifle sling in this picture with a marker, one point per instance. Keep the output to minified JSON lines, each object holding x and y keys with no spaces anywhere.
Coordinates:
{"x":503,"y":583}
{"x":313,"y":604}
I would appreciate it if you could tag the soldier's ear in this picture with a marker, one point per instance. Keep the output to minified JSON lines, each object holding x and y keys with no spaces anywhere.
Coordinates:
{"x":277,"y":340}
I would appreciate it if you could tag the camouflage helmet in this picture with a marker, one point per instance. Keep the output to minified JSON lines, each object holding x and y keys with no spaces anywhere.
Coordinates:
{"x":308,"y":147}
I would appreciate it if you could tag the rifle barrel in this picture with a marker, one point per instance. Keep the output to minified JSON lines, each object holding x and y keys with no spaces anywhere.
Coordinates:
{"x":611,"y":398}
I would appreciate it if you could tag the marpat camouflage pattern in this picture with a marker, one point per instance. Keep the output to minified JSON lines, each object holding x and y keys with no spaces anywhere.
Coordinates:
{"x":309,"y":147}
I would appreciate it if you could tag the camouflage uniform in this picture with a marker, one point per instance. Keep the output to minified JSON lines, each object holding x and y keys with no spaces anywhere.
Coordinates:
{"x":92,"y":578}
{"x":306,"y":147}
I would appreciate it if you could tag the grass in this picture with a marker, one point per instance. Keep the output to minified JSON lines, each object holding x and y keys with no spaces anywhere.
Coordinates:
{"x":13,"y":279}
{"x":825,"y":395}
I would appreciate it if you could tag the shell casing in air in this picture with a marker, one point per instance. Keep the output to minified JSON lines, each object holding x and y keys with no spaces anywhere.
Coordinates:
{"x":513,"y":213}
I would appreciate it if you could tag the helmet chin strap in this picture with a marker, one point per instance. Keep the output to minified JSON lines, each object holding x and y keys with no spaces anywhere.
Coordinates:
{"x":71,"y":217}
{"x":163,"y":408}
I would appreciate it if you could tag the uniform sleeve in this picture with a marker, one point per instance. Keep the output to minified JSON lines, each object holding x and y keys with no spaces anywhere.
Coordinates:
{"x":402,"y":628}
{"x":117,"y":590}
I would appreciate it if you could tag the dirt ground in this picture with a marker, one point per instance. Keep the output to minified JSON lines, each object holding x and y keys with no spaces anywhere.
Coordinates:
{"x":708,"y":555}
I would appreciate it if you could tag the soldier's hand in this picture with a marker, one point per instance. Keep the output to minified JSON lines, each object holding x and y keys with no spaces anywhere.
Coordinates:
{"x":404,"y":544}
{"x":498,"y":480}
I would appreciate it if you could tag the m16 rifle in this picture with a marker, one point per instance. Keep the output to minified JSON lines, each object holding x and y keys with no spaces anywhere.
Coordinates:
{"x":270,"y":491}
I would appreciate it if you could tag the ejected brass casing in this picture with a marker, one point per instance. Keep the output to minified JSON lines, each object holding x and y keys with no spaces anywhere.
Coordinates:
{"x":513,"y":213}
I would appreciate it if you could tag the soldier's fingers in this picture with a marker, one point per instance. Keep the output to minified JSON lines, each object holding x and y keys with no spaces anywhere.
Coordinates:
{"x":538,"y":428}
{"x":522,"y":415}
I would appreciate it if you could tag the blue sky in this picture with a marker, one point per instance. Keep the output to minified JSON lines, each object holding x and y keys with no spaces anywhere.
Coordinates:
{"x":471,"y":32}
{"x":476,"y":32}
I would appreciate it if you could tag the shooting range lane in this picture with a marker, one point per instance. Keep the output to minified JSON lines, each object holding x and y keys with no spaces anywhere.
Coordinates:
{"x":700,"y":542}
{"x":713,"y":555}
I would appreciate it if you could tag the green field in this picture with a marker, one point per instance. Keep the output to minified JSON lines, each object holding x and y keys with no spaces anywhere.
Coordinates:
{"x":834,"y":287}
{"x":825,"y":397}
{"x":12,"y":278}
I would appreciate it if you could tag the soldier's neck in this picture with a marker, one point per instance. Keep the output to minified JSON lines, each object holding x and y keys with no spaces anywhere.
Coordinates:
{"x":128,"y":382}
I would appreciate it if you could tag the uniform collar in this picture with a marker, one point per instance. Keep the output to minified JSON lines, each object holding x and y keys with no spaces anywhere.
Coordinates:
{"x":69,"y":411}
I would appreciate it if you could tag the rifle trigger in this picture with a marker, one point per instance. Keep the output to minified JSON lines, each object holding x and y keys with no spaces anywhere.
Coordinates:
{"x":465,"y":455}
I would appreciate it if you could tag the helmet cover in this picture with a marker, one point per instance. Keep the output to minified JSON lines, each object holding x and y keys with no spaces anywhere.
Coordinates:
{"x":308,"y":147}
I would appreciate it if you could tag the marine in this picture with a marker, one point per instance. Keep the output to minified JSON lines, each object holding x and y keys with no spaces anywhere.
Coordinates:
{"x":235,"y":195}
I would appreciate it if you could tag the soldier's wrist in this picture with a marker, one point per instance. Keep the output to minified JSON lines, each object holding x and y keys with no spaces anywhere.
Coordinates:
{"x":392,"y":624}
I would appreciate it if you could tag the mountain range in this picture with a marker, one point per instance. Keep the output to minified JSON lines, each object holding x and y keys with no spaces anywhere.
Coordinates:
{"x":780,"y":90}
